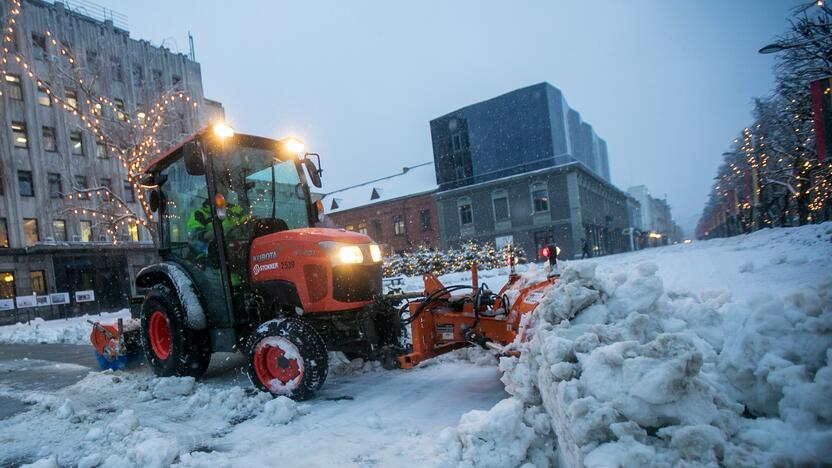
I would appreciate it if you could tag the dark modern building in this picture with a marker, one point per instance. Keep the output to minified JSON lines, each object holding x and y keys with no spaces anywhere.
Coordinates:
{"x":525,"y":130}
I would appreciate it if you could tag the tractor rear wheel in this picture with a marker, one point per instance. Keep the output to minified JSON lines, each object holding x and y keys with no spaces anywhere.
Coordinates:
{"x":287,"y":357}
{"x":171,"y":348}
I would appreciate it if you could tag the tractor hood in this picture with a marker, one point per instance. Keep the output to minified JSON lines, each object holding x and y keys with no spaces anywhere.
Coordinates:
{"x":320,"y":235}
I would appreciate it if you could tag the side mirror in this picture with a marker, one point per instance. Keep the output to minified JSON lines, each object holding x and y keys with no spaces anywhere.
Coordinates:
{"x":314,"y":172}
{"x":192,"y":154}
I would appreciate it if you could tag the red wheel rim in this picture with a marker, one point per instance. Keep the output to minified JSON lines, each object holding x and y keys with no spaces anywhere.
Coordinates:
{"x":159,"y":331}
{"x":278,"y":364}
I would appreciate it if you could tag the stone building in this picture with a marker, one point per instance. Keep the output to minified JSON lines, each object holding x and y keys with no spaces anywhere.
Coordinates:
{"x":397,"y":211}
{"x":45,"y":151}
{"x":564,"y":205}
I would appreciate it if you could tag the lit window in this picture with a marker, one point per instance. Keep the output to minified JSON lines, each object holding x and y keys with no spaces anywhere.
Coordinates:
{"x":4,"y":234}
{"x":362,"y":228}
{"x":71,"y":98}
{"x":7,"y":287}
{"x":101,"y":150}
{"x":13,"y":88}
{"x":76,"y":143}
{"x":398,"y":225}
{"x":30,"y":231}
{"x":59,"y":230}
{"x":19,"y":135}
{"x":466,"y":214}
{"x":44,"y":95}
{"x":540,"y":198}
{"x":49,"y":143}
{"x":25,"y":184}
{"x":133,"y":229}
{"x":86,"y":231}
{"x":37,"y":279}
{"x":119,"y":103}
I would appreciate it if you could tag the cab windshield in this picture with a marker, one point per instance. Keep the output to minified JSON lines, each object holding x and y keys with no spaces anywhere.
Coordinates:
{"x":257,"y":185}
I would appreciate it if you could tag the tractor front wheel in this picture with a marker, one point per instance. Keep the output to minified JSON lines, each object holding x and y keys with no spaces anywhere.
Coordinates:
{"x":171,"y":348}
{"x":287,"y":357}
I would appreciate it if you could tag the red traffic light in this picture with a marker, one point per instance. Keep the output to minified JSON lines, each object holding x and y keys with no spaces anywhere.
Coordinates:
{"x":545,"y":252}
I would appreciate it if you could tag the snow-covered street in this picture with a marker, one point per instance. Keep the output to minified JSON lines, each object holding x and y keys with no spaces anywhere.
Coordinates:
{"x":714,"y":352}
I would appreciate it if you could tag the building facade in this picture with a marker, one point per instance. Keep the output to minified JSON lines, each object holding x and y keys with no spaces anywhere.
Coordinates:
{"x":521,"y":131}
{"x":46,"y":152}
{"x":655,"y":223}
{"x":397,"y":211}
{"x":565,"y":205}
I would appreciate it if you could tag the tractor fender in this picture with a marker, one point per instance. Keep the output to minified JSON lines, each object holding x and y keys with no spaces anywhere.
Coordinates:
{"x":174,"y":275}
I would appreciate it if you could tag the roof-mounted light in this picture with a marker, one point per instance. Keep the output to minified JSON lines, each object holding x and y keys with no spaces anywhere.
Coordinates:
{"x":293,"y":145}
{"x":223,"y":131}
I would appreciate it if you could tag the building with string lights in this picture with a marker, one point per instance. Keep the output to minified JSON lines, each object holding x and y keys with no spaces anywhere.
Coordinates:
{"x":50,"y":150}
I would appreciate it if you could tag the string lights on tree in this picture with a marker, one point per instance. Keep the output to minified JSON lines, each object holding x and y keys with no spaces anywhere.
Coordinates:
{"x":133,"y":138}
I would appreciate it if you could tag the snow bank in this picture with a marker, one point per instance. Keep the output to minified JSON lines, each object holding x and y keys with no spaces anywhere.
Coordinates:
{"x":75,"y":330}
{"x":630,"y":373}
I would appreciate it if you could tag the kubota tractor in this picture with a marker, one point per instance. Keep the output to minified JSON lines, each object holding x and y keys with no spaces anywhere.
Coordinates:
{"x":243,"y":267}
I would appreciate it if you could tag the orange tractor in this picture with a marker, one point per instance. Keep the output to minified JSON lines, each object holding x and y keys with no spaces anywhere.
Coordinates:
{"x":243,"y":268}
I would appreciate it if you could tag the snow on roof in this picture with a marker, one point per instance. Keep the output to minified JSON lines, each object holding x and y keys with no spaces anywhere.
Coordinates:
{"x":412,"y":180}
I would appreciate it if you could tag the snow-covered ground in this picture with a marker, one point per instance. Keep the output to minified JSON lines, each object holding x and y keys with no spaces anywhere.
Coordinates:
{"x":75,"y":330}
{"x":710,"y":353}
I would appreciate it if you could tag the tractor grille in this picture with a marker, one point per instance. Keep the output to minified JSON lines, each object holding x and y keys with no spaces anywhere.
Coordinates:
{"x":356,"y":283}
{"x":315,"y":276}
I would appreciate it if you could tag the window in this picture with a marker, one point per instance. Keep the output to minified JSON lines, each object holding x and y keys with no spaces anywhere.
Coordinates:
{"x":56,"y":186}
{"x":377,"y":230}
{"x":25,"y":184}
{"x":176,"y":79}
{"x":424,"y":220}
{"x":39,"y":46}
{"x":19,"y":135}
{"x":59,"y":230}
{"x":362,"y":228}
{"x":80,"y":184}
{"x":116,"y":70}
{"x":86,"y":231}
{"x":2,"y":184}
{"x":49,"y":143}
{"x":129,"y":194}
{"x":101,"y":150}
{"x":119,"y":103}
{"x":37,"y":279}
{"x":466,"y":214}
{"x":456,"y":141}
{"x":157,"y":79}
{"x":500,"y":201}
{"x":7,"y":289}
{"x":30,"y":231}
{"x":540,"y":198}
{"x":13,"y":88}
{"x":108,"y":183}
{"x":350,"y":228}
{"x":133,"y":230}
{"x":4,"y":234}
{"x":44,"y":95}
{"x":138,"y":75}
{"x":92,"y":59}
{"x":398,"y":225}
{"x":71,"y":98}
{"x":76,"y":143}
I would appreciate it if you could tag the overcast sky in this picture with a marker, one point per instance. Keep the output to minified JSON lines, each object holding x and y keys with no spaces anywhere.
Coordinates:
{"x":667,"y":83}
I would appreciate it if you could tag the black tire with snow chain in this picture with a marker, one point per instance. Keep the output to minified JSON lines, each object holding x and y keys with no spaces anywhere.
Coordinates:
{"x":171,"y":348}
{"x":287,"y":357}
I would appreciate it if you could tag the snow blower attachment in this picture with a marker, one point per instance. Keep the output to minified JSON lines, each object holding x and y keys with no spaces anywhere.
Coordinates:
{"x":116,"y":346}
{"x":442,"y":322}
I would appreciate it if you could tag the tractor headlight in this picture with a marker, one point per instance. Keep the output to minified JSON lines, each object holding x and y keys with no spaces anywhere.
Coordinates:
{"x":375,"y":253}
{"x":350,"y":254}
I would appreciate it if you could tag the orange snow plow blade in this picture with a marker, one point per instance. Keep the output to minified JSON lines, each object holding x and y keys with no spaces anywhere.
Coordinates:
{"x":116,"y":345}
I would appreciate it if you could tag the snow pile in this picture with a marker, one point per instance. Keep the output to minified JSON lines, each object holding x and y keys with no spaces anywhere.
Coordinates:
{"x":75,"y":330}
{"x":631,"y":373}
